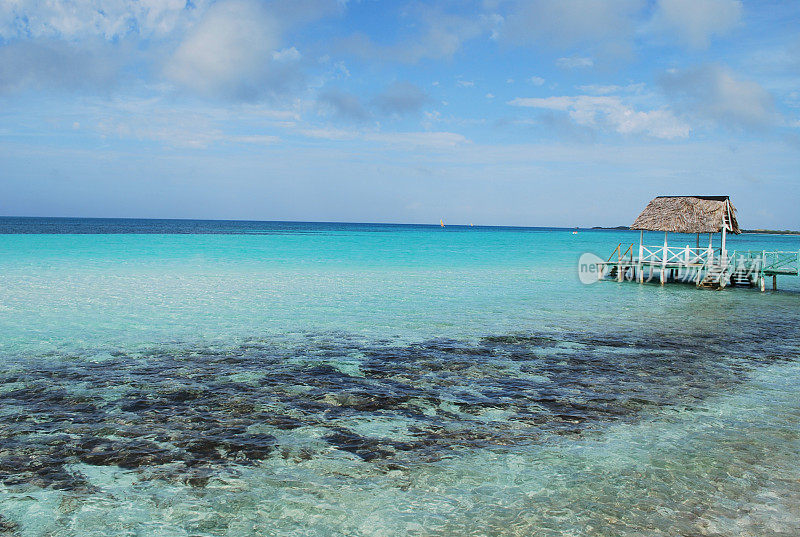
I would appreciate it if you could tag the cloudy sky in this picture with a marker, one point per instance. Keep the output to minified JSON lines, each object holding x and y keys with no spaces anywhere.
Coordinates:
{"x":520,"y":112}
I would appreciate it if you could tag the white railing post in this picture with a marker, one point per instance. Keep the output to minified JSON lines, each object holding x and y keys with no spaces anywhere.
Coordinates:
{"x":640,"y":267}
{"x":724,"y":248}
{"x":641,"y":243}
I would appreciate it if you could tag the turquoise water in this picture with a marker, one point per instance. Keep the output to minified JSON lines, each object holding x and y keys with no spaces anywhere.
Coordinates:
{"x":201,"y":378}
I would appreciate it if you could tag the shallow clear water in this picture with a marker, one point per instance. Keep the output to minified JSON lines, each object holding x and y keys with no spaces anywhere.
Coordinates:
{"x":202,"y":378}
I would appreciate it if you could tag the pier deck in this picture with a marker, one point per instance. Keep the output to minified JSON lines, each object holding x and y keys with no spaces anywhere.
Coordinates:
{"x":705,"y":267}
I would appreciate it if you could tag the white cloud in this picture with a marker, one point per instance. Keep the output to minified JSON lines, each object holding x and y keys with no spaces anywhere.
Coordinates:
{"x":304,"y":11}
{"x":575,"y":62}
{"x":490,"y":95}
{"x":286,"y":55}
{"x":112,"y":19}
{"x":713,"y":92}
{"x":536,"y":80}
{"x":175,"y":129}
{"x":64,"y":66}
{"x":229,"y":53}
{"x":340,"y":70}
{"x":696,"y":21}
{"x":611,"y":113}
{"x":599,"y":89}
{"x":343,"y":105}
{"x":401,"y":98}
{"x":328,"y":133}
{"x":440,"y":36}
{"x":605,"y":25}
{"x":405,"y":140}
{"x":418,"y":140}
{"x":175,"y":125}
{"x":109,"y":19}
{"x":230,"y":49}
{"x":283,"y":117}
{"x":431,"y":118}
{"x":465,"y":83}
{"x":258,"y":139}
{"x":398,"y":99}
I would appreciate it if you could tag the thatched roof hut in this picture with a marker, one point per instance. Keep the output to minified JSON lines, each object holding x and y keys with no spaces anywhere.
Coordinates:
{"x":688,"y":214}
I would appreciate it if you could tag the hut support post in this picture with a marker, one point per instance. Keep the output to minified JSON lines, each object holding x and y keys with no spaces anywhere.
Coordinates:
{"x":697,"y":243}
{"x":774,"y":282}
{"x":664,"y":261}
{"x":710,"y":248}
{"x":639,"y":273}
{"x":724,"y":251}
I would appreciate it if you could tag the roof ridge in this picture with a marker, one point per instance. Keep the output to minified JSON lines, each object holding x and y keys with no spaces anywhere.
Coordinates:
{"x":715,"y":198}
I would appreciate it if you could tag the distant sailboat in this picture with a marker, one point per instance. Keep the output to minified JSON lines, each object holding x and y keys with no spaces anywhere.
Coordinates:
{"x":441,"y":222}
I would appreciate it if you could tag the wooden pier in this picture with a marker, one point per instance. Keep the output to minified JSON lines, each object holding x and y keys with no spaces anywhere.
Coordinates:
{"x":706,"y":267}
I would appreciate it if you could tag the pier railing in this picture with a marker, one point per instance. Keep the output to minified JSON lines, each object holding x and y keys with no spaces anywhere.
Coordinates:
{"x":774,"y":262}
{"x":781,"y":262}
{"x":703,"y":266}
{"x":659,"y":255}
{"x":620,"y":254}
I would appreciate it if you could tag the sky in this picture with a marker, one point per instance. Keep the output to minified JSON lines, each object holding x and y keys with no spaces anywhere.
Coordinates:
{"x":493,"y":112}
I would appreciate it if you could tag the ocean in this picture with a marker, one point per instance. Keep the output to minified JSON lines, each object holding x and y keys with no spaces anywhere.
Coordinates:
{"x":174,"y":377}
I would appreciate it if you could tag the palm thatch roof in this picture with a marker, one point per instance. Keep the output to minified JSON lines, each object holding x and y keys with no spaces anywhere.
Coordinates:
{"x":688,"y":214}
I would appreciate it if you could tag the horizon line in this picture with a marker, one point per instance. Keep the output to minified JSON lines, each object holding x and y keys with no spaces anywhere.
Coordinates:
{"x":240,"y":220}
{"x":436,"y":224}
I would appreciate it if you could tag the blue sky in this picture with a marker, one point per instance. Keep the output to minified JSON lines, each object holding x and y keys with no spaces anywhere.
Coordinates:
{"x":517,"y":112}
